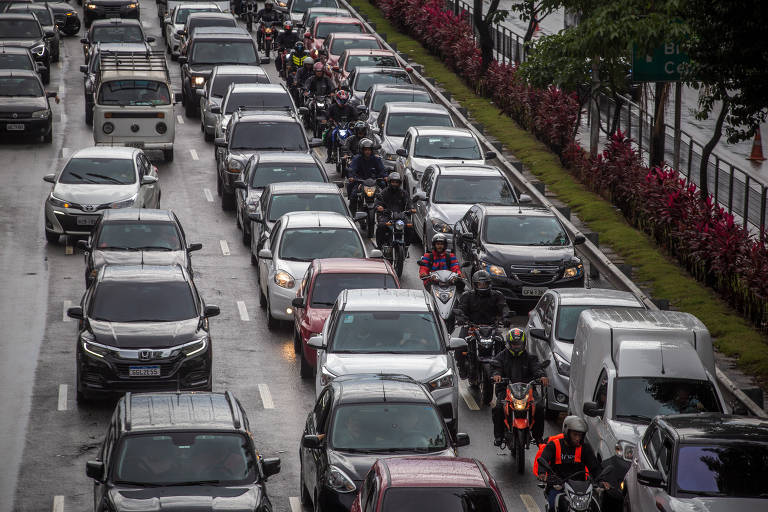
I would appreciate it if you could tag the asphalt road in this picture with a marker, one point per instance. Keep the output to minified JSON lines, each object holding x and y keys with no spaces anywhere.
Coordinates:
{"x":45,"y":437}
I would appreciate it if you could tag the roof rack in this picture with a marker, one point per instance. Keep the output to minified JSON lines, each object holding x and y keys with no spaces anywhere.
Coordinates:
{"x":128,"y":411}
{"x":266,"y":108}
{"x":133,"y":61}
{"x":232,"y":407}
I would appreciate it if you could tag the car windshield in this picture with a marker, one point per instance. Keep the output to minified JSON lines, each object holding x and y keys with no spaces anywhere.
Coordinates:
{"x":365,"y":80}
{"x":305,"y":202}
{"x":222,"y":82}
{"x":382,"y":61}
{"x":112,"y":171}
{"x":134,"y":92}
{"x":265,"y":136}
{"x":388,"y":332}
{"x":268,"y":173}
{"x":183,"y":14}
{"x":328,"y":286}
{"x":642,"y":398}
{"x":340,"y":44}
{"x":20,"y":86}
{"x":20,"y":29}
{"x":223,"y":52}
{"x":398,"y":124}
{"x":15,"y":61}
{"x":117,"y":34}
{"x":257,"y":99}
{"x":493,"y":190}
{"x":301,"y":6}
{"x":130,"y":235}
{"x":306,"y":244}
{"x":444,"y":499}
{"x":184,"y":458}
{"x":568,"y":319}
{"x":388,"y":427}
{"x":131,"y":301}
{"x":323,"y":29}
{"x":208,"y":21}
{"x":43,"y":15}
{"x":447,"y":147}
{"x":735,"y":469}
{"x":382,"y":97}
{"x":524,"y":230}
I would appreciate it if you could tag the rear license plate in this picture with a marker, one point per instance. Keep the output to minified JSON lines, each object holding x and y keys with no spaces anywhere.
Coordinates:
{"x":87,"y":220}
{"x":14,"y":127}
{"x":134,"y":144}
{"x":143,"y":371}
{"x":533,"y":291}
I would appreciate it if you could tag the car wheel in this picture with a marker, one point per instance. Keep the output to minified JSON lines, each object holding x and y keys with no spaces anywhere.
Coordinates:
{"x":190,"y":109}
{"x":51,"y":238}
{"x":88,"y":115}
{"x":296,"y":342}
{"x":246,"y":235}
{"x":549,"y":413}
{"x":227,"y":202}
{"x":272,"y":322}
{"x":48,"y":137}
{"x":219,"y":187}
{"x":306,"y":370}
{"x":47,"y":75}
{"x":262,"y":297}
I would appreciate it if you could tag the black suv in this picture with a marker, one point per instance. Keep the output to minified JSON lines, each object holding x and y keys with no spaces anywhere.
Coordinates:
{"x":207,"y":48}
{"x":102,"y":9}
{"x":127,"y":32}
{"x":47,"y":21}
{"x":142,"y":328}
{"x":524,"y":248}
{"x":23,"y":29}
{"x":180,"y":451}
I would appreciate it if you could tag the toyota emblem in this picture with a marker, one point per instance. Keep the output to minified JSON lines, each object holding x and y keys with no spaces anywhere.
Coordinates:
{"x":145,"y":355}
{"x":89,"y":207}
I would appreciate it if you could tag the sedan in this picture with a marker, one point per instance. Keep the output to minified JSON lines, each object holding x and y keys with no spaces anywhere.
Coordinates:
{"x":336,"y":43}
{"x":24,"y":107}
{"x":67,"y":18}
{"x":95,"y":179}
{"x":325,"y":26}
{"x":379,"y":94}
{"x":113,"y":31}
{"x":353,"y":58}
{"x":363,"y":77}
{"x":176,"y":20}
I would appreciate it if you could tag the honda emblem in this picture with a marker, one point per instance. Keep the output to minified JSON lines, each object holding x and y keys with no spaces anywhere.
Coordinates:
{"x":145,"y":355}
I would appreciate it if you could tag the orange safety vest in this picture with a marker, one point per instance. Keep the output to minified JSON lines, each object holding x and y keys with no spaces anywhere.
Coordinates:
{"x":558,"y":453}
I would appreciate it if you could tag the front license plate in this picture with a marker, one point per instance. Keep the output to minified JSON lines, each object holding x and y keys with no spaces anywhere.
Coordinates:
{"x":15,"y":127}
{"x":143,"y":371}
{"x":134,"y":144}
{"x":533,"y":291}
{"x":87,"y":220}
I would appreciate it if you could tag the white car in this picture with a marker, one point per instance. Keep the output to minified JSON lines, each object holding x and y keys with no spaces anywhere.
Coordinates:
{"x":177,"y":18}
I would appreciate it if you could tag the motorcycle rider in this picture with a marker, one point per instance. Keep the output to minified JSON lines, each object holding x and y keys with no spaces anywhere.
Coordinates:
{"x":364,"y":166}
{"x":293,"y":63}
{"x":302,"y":75}
{"x":359,"y":132}
{"x":338,"y":111}
{"x":392,"y":199}
{"x":266,"y":16}
{"x":517,"y":365}
{"x":286,"y":40}
{"x":439,"y":258}
{"x":318,"y":84}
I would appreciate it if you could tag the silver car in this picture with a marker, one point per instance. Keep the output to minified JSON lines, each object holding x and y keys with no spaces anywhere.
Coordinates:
{"x":379,"y":94}
{"x":296,"y":239}
{"x":269,"y":96}
{"x":390,"y":332}
{"x":394,"y":120}
{"x":551,"y":329}
{"x":212,"y":94}
{"x":176,"y":20}
{"x":95,"y":179}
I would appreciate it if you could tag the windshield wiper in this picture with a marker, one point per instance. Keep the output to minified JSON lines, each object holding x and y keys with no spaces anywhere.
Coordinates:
{"x":104,"y":177}
{"x":140,"y":484}
{"x":74,"y":174}
{"x":116,"y":248}
{"x":153,"y":248}
{"x":197,"y":482}
{"x":290,"y":258}
{"x":637,"y":417}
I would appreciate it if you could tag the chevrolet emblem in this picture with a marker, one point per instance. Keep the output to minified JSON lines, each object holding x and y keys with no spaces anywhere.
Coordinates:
{"x":535,"y":271}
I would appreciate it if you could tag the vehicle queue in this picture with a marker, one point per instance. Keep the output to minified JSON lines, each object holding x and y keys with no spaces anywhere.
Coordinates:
{"x":646,"y":425}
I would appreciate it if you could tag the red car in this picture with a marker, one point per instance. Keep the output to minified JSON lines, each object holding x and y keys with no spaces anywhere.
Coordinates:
{"x":335,"y":44}
{"x":424,"y":484}
{"x":325,"y":26}
{"x":324,"y":280}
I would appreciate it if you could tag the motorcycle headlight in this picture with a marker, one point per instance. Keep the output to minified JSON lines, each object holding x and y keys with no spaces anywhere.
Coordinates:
{"x":337,"y":480}
{"x":443,"y":381}
{"x":519,"y":405}
{"x":131,"y":6}
{"x":198,"y":81}
{"x":90,"y":6}
{"x":282,"y":4}
{"x":625,"y":450}
{"x":55,"y":201}
{"x":369,"y":191}
{"x":580,"y":501}
{"x":38,"y":49}
{"x":125,"y":203}
{"x":496,"y":270}
{"x":445,"y":296}
{"x":563,"y":366}
{"x":267,"y":30}
{"x":399,"y":225}
{"x":326,"y":376}
{"x":234,"y":165}
{"x":440,"y":226}
{"x":390,"y":156}
{"x":41,"y":114}
{"x":572,"y":272}
{"x":283,"y":279}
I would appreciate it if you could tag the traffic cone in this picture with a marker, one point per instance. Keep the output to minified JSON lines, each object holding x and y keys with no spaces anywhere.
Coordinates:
{"x":757,"y":148}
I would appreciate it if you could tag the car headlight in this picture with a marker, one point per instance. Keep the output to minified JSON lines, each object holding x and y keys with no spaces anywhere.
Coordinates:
{"x":38,"y":49}
{"x":282,"y":4}
{"x":445,"y":380}
{"x":195,"y":347}
{"x":55,"y":201}
{"x":94,"y":349}
{"x":572,"y":272}
{"x":108,"y":127}
{"x":326,"y":376}
{"x":72,"y":14}
{"x":132,"y":6}
{"x":563,"y":366}
{"x":283,"y":279}
{"x":41,"y":114}
{"x":390,"y":156}
{"x":338,"y":480}
{"x":496,"y":270}
{"x":90,"y":6}
{"x":440,"y":226}
{"x":626,"y":450}
{"x":235,"y":166}
{"x":198,"y":81}
{"x":125,"y":203}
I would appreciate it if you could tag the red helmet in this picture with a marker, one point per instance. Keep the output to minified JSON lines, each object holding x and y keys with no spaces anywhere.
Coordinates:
{"x":342,"y":97}
{"x":317,"y":67}
{"x":314,"y":54}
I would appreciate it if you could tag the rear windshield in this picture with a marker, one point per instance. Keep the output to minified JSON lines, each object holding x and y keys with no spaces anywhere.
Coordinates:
{"x":306,"y":244}
{"x":20,"y":29}
{"x":204,"y":21}
{"x":328,"y":286}
{"x":302,"y":5}
{"x":307,"y":202}
{"x":444,"y":499}
{"x":134,"y":92}
{"x":107,"y":171}
{"x":20,"y":86}
{"x":257,"y":99}
{"x":340,"y":44}
{"x":183,"y":14}
{"x":129,"y":235}
{"x":380,"y":98}
{"x":43,"y":15}
{"x":324,"y":29}
{"x":268,"y":136}
{"x":223,"y":52}
{"x":117,"y":34}
{"x":381,"y":61}
{"x":365,"y":80}
{"x":143,"y":302}
{"x":222,"y":81}
{"x":268,"y":173}
{"x":15,"y":61}
{"x":398,"y":124}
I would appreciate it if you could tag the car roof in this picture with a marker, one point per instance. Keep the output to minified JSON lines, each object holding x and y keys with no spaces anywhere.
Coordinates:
{"x":180,"y":410}
{"x":380,"y":69}
{"x":14,"y":49}
{"x":380,"y":299}
{"x":415,"y":106}
{"x":137,"y":214}
{"x":369,"y":51}
{"x":435,"y":472}
{"x":196,"y":5}
{"x":329,"y":9}
{"x":292,"y":187}
{"x":120,"y":47}
{"x":209,"y":14}
{"x":320,"y":219}
{"x":105,"y":151}
{"x":239,"y":69}
{"x":716,"y":426}
{"x":364,"y":388}
{"x":7,"y":73}
{"x":468,"y":169}
{"x":144,"y":273}
{"x":349,"y":20}
{"x":515,"y":211}
{"x":647,"y":320}
{"x":596,"y":296}
{"x":441,"y":130}
{"x":272,"y":116}
{"x":404,"y":88}
{"x":265,"y":88}
{"x":284,"y":156}
{"x":220,"y":33}
{"x":17,"y":16}
{"x":348,"y":265}
{"x":351,"y":35}
{"x":115,"y":21}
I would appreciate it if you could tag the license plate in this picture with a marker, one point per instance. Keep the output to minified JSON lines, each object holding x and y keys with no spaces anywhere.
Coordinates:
{"x":533,"y":291}
{"x":15,"y":127}
{"x":87,"y":220}
{"x":134,"y":144}
{"x":143,"y":371}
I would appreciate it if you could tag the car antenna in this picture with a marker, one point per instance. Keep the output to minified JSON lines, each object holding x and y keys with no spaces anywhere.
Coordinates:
{"x":661,"y":352}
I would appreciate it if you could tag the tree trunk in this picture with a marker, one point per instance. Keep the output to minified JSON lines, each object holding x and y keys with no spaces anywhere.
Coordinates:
{"x":594,"y":117}
{"x":658,"y":138}
{"x":709,"y":147}
{"x":530,"y":11}
{"x":483,"y":28}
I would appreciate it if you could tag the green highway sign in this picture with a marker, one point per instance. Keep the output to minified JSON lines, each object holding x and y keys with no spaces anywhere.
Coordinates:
{"x":665,"y":64}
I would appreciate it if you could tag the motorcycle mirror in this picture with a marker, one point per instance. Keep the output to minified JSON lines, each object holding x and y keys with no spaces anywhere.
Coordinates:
{"x":265,"y":60}
{"x":402,"y":152}
{"x":457,"y":344}
{"x":375,"y":253}
{"x":490,"y":155}
{"x":303,"y":111}
{"x":462,"y":439}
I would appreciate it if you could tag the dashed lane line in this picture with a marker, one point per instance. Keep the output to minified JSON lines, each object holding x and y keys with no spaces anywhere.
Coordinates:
{"x":208,"y":195}
{"x":467,"y":396}
{"x":224,"y":247}
{"x":530,"y":504}
{"x":66,"y":306}
{"x":194,"y":154}
{"x":243,"y":311}
{"x":58,"y":503}
{"x":62,"y":405}
{"x":295,"y":504}
{"x":179,"y":119}
{"x":266,"y":396}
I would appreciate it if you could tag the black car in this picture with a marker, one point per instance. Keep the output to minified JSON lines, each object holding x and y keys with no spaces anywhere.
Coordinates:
{"x":266,"y":168}
{"x":210,"y":47}
{"x":66,"y":17}
{"x":524,"y":248}
{"x":180,"y":451}
{"x":359,"y":419}
{"x":103,"y":9}
{"x":114,"y":31}
{"x":18,"y":57}
{"x":135,"y":236}
{"x":24,"y":108}
{"x":197,"y":20}
{"x":142,"y":328}
{"x":47,"y":21}
{"x":23,"y":29}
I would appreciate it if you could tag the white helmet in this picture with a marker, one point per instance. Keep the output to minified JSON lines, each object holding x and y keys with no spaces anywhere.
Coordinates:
{"x":575,"y":424}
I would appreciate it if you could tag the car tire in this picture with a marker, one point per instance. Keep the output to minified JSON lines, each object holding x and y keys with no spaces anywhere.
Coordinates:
{"x":272,"y":322}
{"x":227,"y":201}
{"x":88,"y":115}
{"x":47,"y":75}
{"x":262,"y":297}
{"x":48,"y":137}
{"x":191,"y":109}
{"x":168,"y":155}
{"x":207,"y":136}
{"x":296,"y":342}
{"x":219,"y":186}
{"x":246,"y":237}
{"x":51,"y":238}
{"x":305,"y":369}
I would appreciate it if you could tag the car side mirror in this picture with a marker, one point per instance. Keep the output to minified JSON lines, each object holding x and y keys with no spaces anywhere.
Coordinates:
{"x":148,"y":180}
{"x":545,"y":364}
{"x":316,"y":342}
{"x":490,"y":155}
{"x":49,"y":178}
{"x":402,"y":152}
{"x":52,"y":94}
{"x":311,"y":442}
{"x":315,"y":143}
{"x":211,"y":311}
{"x":270,"y":466}
{"x":215,"y":109}
{"x":49,"y":34}
{"x":265,"y":60}
{"x":466,"y":264}
{"x":298,"y":303}
{"x":265,"y":254}
{"x":220,"y":142}
{"x":592,"y":410}
{"x":650,"y":478}
{"x":83,"y":244}
{"x":95,"y":469}
{"x":538,"y":333}
{"x":256,"y":217}
{"x":524,"y":199}
{"x":579,"y":239}
{"x":457,"y":344}
{"x":83,"y":40}
{"x":420,"y":196}
{"x":83,"y":68}
{"x":75,"y":312}
{"x":194,"y":247}
{"x":241,"y":185}
{"x":150,"y":39}
{"x":303,"y":111}
{"x":462,"y":439}
{"x":181,"y":59}
{"x":375,"y":253}
{"x":180,"y":32}
{"x":360,"y":216}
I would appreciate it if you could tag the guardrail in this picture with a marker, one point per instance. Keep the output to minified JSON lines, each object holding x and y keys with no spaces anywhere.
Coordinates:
{"x":596,"y":258}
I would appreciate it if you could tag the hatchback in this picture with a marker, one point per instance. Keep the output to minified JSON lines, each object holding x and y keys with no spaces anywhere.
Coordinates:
{"x":325,"y":26}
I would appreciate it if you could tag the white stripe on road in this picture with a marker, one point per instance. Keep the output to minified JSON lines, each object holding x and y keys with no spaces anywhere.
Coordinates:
{"x":243,"y":311}
{"x":530,"y":504}
{"x":295,"y":504}
{"x":208,"y":195}
{"x":67,"y":305}
{"x":194,"y":154}
{"x":467,"y":396}
{"x":266,"y":396}
{"x":62,"y":397}
{"x":179,"y":119}
{"x":224,"y":247}
{"x":58,"y":504}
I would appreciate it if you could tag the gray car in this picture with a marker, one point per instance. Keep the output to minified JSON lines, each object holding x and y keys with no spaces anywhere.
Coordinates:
{"x":239,"y":95}
{"x":551,"y":329}
{"x":363,"y":77}
{"x":47,"y":20}
{"x":390,"y":332}
{"x":379,"y":94}
{"x":96,"y":179}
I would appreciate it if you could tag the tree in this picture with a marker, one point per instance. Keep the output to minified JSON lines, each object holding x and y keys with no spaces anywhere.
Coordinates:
{"x":533,"y":12}
{"x":483,"y":27}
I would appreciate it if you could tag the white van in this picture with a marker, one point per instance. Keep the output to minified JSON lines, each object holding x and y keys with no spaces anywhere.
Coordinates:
{"x":630,"y":365}
{"x":133,"y":105}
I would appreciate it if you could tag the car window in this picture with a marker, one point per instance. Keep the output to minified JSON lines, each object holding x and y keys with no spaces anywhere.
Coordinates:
{"x":642,"y":398}
{"x":15,"y":86}
{"x":324,"y":29}
{"x":447,"y":147}
{"x":183,"y":14}
{"x":270,"y":100}
{"x":734,"y":468}
{"x":307,"y":244}
{"x":320,"y":412}
{"x":223,"y":52}
{"x":568,"y":319}
{"x":340,"y":44}
{"x":321,"y":202}
{"x":382,"y":97}
{"x":222,"y":82}
{"x":549,"y":316}
{"x":664,"y":460}
{"x":15,"y":61}
{"x":381,"y":61}
{"x":299,"y":6}
{"x":205,"y":21}
{"x":386,"y":331}
{"x":20,"y":29}
{"x":108,"y":446}
{"x":117,"y":34}
{"x":125,"y":302}
{"x":273,"y":239}
{"x":43,"y":15}
{"x":268,"y":136}
{"x":111,"y":171}
{"x":398,"y":123}
{"x":364,"y":80}
{"x":133,"y":235}
{"x":426,"y":180}
{"x":600,"y":396}
{"x":327,"y":286}
{"x":473,"y":222}
{"x":453,"y":499}
{"x":279,"y":172}
{"x":134,"y":92}
{"x":647,"y":443}
{"x":407,"y":140}
{"x":495,"y":190}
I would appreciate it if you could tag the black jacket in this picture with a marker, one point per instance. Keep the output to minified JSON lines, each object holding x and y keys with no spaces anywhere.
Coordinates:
{"x":523,"y":368}
{"x":319,"y":86}
{"x":269,"y":16}
{"x":287,"y":40}
{"x":337,"y":112}
{"x":392,"y":201}
{"x":362,"y":168}
{"x":481,"y":309}
{"x":568,"y":467}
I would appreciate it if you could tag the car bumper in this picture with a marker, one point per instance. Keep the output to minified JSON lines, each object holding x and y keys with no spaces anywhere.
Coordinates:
{"x":102,"y":12}
{"x":69,"y":221}
{"x":513,"y":289}
{"x":135,"y":143}
{"x":332,"y":501}
{"x":557,"y":391}
{"x":25,"y":127}
{"x":280,"y":301}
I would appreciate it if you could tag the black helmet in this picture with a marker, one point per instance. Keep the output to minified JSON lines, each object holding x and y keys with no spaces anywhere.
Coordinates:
{"x":299,"y":46}
{"x":481,"y":282}
{"x":268,"y":3}
{"x":439,"y":238}
{"x":360,"y":126}
{"x":366,"y":143}
{"x":515,"y":341}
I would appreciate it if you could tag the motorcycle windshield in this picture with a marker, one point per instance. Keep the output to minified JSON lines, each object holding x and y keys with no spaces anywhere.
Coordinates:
{"x":518,"y":390}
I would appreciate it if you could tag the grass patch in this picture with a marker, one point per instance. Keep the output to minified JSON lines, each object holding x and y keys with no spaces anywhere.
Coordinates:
{"x":664,"y":278}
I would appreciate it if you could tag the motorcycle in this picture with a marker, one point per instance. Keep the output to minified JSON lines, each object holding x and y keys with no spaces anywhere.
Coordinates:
{"x":365,"y":197}
{"x":248,"y":11}
{"x":342,"y":156}
{"x":318,"y":111}
{"x":575,"y":495}
{"x":394,"y":248}
{"x":483,"y":343}
{"x":444,"y":288}
{"x":267,"y":35}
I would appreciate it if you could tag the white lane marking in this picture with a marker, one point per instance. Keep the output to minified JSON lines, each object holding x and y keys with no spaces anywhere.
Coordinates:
{"x":530,"y":504}
{"x":62,"y":397}
{"x":68,"y":249}
{"x":243,"y":311}
{"x":67,"y":305}
{"x":58,"y":504}
{"x":179,"y":119}
{"x":208,"y":195}
{"x":467,"y":396}
{"x":266,"y":396}
{"x":194,"y":154}
{"x":224,"y":247}
{"x":295,"y":504}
